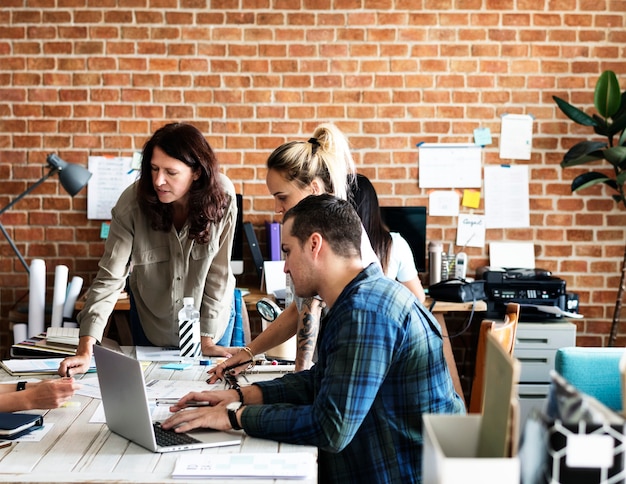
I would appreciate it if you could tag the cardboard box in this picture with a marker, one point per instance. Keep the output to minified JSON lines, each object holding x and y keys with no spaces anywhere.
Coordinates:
{"x":450,"y":449}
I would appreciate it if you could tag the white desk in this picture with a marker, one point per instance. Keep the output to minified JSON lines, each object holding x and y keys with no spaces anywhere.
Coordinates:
{"x":76,"y":451}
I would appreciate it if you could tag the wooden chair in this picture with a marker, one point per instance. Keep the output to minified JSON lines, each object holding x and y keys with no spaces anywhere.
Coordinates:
{"x":505,"y":333}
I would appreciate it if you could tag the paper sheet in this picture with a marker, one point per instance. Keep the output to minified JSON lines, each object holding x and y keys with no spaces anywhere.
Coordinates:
{"x":292,"y":465}
{"x":506,"y":196}
{"x":443,"y":203}
{"x":471,"y":231}
{"x":512,"y":254}
{"x":110,"y":177}
{"x":516,"y":136}
{"x":450,"y":165}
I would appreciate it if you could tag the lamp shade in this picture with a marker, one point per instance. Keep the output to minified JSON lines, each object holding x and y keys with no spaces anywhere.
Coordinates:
{"x":73,"y":177}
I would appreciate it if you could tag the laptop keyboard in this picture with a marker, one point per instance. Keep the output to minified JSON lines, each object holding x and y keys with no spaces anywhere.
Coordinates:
{"x":167,"y":438}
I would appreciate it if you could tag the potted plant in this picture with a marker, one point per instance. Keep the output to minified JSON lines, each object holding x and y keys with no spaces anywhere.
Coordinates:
{"x":609,"y":123}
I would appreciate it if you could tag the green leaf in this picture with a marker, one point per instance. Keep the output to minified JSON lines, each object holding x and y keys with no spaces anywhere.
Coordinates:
{"x":574,"y":113}
{"x":617,"y":126}
{"x":615,"y":155}
{"x":590,"y":179}
{"x":622,"y":139}
{"x":621,"y":178}
{"x":583,"y":152}
{"x":607,"y":96}
{"x":601,"y":128}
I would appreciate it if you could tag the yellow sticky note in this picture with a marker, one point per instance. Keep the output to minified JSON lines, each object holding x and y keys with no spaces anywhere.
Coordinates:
{"x":471,"y":198}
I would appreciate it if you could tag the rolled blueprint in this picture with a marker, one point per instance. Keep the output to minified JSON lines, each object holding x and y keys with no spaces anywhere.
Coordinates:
{"x":58,"y":297}
{"x":72,"y":295}
{"x":37,"y":298}
{"x":20,"y":332}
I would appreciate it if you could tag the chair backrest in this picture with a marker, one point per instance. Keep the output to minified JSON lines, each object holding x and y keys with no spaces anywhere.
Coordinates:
{"x":505,"y":334}
{"x":594,"y":371}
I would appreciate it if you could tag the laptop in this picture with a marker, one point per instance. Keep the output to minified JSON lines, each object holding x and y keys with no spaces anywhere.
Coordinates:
{"x":127,"y":411}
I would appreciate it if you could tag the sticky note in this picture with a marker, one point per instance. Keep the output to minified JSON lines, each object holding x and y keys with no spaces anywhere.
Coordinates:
{"x":104,"y":230}
{"x":471,"y":198}
{"x":176,"y":366}
{"x":482,"y":136}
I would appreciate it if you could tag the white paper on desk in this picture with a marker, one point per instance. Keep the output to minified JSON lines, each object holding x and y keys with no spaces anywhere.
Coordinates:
{"x":450,"y":165}
{"x":89,"y":387}
{"x":157,"y":413}
{"x":516,"y":136}
{"x":34,"y":435}
{"x":155,"y":353}
{"x":110,"y":177}
{"x":177,"y":388}
{"x":506,"y":196}
{"x":288,"y":465}
{"x":443,"y":203}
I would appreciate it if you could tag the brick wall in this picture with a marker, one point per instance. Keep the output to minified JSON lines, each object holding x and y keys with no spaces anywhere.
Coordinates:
{"x":98,"y":77}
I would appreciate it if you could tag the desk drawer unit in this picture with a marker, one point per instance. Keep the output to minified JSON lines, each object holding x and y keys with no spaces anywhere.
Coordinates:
{"x":535,"y":347}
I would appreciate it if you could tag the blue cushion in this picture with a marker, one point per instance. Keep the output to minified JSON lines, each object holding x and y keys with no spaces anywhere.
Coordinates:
{"x":594,"y":371}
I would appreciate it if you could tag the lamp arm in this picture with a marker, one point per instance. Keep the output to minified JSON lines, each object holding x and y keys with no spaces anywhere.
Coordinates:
{"x":52,"y":171}
{"x":14,"y":247}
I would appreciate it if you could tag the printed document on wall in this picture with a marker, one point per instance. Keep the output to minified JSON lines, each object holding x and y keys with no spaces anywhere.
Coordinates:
{"x":110,"y":177}
{"x":506,"y":196}
{"x":449,"y":165}
{"x":516,"y":136}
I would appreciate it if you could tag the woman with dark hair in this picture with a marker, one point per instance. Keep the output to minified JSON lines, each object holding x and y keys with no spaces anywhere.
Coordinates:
{"x":392,"y":249}
{"x":171,"y":236}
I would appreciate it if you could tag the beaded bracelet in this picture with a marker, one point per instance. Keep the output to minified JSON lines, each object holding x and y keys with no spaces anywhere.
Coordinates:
{"x":239,"y":392}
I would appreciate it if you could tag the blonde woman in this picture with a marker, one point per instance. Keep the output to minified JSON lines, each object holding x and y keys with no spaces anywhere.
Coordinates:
{"x":321,"y":164}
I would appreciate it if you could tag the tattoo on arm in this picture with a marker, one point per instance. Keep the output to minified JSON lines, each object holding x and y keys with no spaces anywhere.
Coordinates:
{"x":308,"y":329}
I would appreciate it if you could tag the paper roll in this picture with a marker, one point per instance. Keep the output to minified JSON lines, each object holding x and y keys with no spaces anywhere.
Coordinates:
{"x":72,"y":295}
{"x":37,"y":298}
{"x":20,"y":332}
{"x":58,"y":297}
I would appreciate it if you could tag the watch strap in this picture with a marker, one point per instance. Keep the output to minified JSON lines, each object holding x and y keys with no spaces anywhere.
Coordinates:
{"x":232,"y":416}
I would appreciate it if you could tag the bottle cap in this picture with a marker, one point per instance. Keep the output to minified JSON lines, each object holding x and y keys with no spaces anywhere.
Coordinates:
{"x":187,"y":301}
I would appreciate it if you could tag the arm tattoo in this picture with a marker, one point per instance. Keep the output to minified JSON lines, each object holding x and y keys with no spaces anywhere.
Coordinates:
{"x":306,"y":335}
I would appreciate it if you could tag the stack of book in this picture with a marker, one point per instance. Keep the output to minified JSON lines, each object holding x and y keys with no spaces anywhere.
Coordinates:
{"x":55,"y":342}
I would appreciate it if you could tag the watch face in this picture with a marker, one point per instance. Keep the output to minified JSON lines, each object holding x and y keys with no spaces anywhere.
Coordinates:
{"x":233,"y":406}
{"x":267,"y":310}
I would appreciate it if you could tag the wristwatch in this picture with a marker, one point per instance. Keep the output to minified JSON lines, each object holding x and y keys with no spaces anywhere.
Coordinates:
{"x":232,"y":408}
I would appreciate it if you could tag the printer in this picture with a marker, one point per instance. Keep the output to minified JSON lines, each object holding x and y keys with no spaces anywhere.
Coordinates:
{"x":529,"y":288}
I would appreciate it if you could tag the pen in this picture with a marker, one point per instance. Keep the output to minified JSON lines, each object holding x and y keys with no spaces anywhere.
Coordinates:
{"x":174,"y":401}
{"x":67,"y":373}
{"x":5,"y":444}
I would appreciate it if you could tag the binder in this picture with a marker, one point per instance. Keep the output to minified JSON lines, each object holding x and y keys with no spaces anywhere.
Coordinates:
{"x":272,"y":229}
{"x":13,"y":425}
{"x":255,"y":250}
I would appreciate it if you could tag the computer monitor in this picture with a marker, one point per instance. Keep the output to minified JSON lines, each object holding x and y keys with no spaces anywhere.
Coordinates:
{"x":410,"y":222}
{"x":236,"y":259}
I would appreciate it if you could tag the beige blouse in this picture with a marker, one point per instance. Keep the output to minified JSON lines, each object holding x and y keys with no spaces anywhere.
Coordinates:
{"x":164,"y":268}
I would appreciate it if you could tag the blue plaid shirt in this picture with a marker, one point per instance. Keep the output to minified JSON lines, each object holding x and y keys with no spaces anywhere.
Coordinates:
{"x":380,"y":367}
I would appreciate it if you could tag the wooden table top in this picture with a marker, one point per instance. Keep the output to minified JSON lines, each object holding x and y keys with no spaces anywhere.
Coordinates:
{"x":75,"y":450}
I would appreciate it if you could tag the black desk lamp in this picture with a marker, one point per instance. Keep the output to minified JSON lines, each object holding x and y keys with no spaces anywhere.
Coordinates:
{"x":73,"y":178}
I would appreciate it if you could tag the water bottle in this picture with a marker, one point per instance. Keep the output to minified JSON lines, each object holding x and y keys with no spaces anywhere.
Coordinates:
{"x":189,"y":330}
{"x":288,"y":293}
{"x":435,"y":250}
